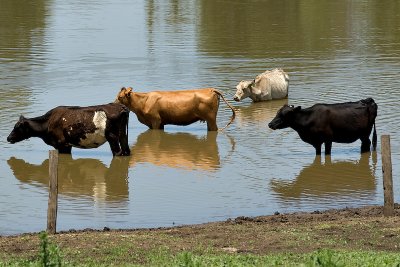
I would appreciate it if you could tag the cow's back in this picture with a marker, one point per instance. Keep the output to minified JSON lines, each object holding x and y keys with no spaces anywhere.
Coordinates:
{"x":345,"y":121}
{"x":350,"y":111}
{"x":84,"y":127}
{"x":275,"y":82}
{"x":184,"y":106}
{"x":72,"y":114}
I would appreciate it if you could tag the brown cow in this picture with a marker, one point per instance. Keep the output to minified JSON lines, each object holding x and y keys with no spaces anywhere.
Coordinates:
{"x":159,"y":108}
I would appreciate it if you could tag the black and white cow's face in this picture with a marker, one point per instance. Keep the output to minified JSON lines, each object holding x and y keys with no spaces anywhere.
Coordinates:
{"x":20,"y":132}
{"x":283,"y":117}
{"x":243,"y":90}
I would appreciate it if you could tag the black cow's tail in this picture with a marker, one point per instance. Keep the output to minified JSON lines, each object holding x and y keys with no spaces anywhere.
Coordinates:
{"x":229,"y":105}
{"x":124,"y":145}
{"x":374,"y":138}
{"x":372,"y":113}
{"x":127,"y":124}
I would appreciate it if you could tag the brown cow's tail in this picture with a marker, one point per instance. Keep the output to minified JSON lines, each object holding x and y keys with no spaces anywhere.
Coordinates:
{"x":229,"y":105}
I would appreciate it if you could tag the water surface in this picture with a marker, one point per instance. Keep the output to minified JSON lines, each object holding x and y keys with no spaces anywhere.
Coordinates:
{"x":82,"y":52}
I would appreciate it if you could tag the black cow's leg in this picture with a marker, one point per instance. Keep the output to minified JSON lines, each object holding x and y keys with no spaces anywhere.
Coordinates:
{"x":123,"y":141}
{"x":317,"y":149}
{"x":328,"y":147}
{"x":64,"y":150}
{"x":365,"y":145}
{"x":123,"y":138}
{"x":114,"y":144}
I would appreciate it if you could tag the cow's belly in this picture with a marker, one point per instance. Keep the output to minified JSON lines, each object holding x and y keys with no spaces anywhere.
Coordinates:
{"x":88,"y":136}
{"x":346,"y":139}
{"x":86,"y":140}
{"x":345,"y":135}
{"x":92,"y":140}
{"x":279,"y":93}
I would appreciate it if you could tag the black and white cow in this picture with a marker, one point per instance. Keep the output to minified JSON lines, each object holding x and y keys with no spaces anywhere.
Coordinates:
{"x":327,"y":123}
{"x":65,"y":127}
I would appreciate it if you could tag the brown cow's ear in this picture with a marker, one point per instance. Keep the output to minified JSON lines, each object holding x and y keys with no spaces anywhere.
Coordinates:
{"x":122,"y":89}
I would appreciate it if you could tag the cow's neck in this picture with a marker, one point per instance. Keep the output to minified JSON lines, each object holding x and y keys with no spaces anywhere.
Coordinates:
{"x":300,"y":120}
{"x":38,"y":126}
{"x":138,"y":102}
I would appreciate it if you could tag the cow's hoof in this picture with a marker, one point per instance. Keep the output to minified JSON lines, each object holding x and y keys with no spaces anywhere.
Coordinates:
{"x":122,"y":153}
{"x":126,"y":153}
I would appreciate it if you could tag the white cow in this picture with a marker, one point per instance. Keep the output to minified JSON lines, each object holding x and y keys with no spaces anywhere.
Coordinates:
{"x":271,"y":84}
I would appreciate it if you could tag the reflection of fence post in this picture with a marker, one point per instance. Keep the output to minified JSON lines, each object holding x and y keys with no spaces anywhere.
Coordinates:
{"x":388,"y":208}
{"x":53,"y":192}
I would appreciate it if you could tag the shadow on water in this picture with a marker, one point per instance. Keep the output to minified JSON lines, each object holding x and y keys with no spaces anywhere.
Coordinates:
{"x":79,"y":177}
{"x":177,"y":150}
{"x":260,"y":112}
{"x":330,"y":178}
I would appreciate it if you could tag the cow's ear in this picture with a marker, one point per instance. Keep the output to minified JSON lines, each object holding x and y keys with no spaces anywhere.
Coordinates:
{"x":122,"y":89}
{"x":21,"y":118}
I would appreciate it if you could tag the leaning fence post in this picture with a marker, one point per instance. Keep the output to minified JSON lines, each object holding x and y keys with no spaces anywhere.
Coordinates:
{"x":53,"y":192}
{"x":388,"y":208}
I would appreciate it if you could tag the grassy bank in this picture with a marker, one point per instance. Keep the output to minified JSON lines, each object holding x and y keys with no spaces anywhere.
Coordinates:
{"x":349,"y":237}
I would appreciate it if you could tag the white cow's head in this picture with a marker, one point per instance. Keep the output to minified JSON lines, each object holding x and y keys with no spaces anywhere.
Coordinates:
{"x":243,"y":90}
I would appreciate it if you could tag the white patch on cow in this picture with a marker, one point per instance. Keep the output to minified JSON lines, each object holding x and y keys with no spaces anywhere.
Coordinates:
{"x":64,"y":119}
{"x":97,"y":138}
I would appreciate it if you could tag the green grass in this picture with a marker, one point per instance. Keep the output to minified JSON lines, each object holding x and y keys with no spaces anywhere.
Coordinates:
{"x":327,"y":258}
{"x":203,"y":247}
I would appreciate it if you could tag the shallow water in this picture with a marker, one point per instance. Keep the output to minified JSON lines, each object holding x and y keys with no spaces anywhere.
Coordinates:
{"x":82,"y":52}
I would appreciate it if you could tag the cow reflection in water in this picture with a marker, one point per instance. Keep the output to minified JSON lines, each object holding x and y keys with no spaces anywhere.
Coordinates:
{"x":331,"y":178}
{"x":258,"y":113}
{"x":177,"y":150}
{"x":82,"y":177}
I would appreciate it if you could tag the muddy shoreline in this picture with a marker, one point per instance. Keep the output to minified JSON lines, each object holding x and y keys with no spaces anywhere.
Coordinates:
{"x":348,"y":229}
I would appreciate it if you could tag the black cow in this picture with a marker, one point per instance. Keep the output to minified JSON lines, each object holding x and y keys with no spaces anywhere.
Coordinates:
{"x":327,"y":123}
{"x":65,"y":127}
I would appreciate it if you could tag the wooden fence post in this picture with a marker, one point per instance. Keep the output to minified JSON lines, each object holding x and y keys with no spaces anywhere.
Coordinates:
{"x":53,"y":192}
{"x":388,"y":208}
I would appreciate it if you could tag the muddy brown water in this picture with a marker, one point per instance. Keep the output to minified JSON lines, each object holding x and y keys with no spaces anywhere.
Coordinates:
{"x":82,"y":52}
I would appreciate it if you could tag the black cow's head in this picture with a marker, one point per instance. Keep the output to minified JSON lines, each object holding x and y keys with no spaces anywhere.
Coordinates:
{"x":283,"y":117}
{"x":20,"y":132}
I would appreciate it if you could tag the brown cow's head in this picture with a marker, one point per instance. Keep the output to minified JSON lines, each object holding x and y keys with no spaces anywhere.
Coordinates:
{"x":243,"y":90}
{"x":124,"y":96}
{"x":283,"y":117}
{"x":21,"y":131}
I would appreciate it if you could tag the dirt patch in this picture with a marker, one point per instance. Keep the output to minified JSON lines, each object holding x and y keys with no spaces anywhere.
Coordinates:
{"x":350,"y":229}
